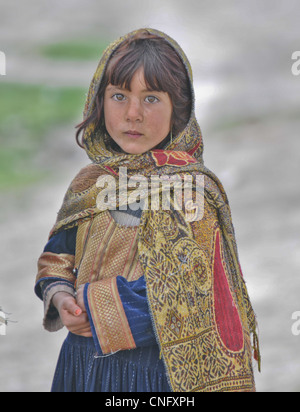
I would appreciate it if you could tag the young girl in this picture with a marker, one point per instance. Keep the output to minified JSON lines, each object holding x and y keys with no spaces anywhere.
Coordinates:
{"x":153,"y":300}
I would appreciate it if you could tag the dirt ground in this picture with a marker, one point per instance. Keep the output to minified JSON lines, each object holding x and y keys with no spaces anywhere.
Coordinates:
{"x":248,"y":107}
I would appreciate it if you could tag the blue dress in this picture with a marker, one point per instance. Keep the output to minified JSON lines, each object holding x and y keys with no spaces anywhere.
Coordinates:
{"x":79,"y":369}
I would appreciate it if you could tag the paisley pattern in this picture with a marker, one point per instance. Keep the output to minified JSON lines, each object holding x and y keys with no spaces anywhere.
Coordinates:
{"x":191,"y":267}
{"x":181,"y":280}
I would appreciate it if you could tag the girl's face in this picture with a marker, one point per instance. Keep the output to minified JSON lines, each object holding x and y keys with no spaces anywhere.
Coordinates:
{"x":137,"y":120}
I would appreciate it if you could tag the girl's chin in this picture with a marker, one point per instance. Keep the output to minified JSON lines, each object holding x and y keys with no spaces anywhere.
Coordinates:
{"x":136,"y":147}
{"x":133,"y":148}
{"x":135,"y":152}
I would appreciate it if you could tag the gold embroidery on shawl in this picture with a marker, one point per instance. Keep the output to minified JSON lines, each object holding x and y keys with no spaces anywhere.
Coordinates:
{"x":179,"y":274}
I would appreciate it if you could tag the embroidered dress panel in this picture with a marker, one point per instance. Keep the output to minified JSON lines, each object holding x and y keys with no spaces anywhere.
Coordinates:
{"x":106,"y":250}
{"x":108,"y":318}
{"x":51,"y":265}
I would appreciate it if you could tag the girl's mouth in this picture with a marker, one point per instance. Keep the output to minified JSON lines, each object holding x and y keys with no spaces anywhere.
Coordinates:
{"x":134,"y":134}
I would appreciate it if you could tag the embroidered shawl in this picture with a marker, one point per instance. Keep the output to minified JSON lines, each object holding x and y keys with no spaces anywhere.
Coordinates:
{"x":198,"y":300}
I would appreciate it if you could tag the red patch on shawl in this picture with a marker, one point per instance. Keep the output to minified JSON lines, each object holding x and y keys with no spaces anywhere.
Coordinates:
{"x":111,"y":170}
{"x":172,"y":158}
{"x":227,"y":316}
{"x":193,"y":151}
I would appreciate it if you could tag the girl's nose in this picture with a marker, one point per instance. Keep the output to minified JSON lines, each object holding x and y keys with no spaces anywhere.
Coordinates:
{"x":134,"y":111}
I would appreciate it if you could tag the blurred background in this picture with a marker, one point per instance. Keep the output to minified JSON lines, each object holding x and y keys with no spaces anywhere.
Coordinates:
{"x":248,"y":106}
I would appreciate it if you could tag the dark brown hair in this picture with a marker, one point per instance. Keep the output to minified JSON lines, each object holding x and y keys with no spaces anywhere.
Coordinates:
{"x":163,"y":70}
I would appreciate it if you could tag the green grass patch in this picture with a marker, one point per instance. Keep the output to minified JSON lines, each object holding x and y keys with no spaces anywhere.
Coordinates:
{"x":75,"y":50}
{"x":16,"y":170}
{"x":27,"y":114}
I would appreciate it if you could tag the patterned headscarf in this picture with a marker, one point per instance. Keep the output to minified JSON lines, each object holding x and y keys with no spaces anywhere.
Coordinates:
{"x":201,"y":312}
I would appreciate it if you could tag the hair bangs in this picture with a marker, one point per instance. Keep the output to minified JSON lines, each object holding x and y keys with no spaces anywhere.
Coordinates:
{"x":123,"y":67}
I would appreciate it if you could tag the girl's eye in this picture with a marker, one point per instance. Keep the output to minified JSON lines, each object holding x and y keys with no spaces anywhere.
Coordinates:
{"x":151,"y":99}
{"x":118,"y":97}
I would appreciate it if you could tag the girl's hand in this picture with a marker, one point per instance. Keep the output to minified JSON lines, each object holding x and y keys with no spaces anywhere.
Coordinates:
{"x":72,"y":315}
{"x":79,"y":299}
